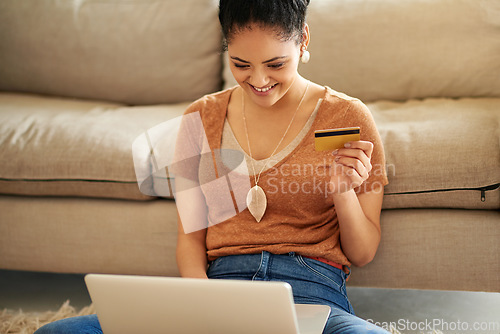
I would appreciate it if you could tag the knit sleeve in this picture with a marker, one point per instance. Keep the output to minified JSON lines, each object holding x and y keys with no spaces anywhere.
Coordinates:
{"x":368,"y":131}
{"x":190,"y":143}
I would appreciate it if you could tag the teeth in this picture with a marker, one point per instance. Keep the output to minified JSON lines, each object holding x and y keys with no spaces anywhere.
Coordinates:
{"x":264,"y":89}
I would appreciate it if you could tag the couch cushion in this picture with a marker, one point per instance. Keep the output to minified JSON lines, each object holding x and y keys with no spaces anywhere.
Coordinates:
{"x":459,"y":250}
{"x":82,"y":235}
{"x":441,"y":152}
{"x":67,"y":147}
{"x":399,"y":50}
{"x":134,"y":52}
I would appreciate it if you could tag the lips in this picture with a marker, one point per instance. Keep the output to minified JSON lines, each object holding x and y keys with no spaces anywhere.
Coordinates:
{"x":263,"y":90}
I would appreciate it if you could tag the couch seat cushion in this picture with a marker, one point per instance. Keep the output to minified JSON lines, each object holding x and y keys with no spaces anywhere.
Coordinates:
{"x":441,"y":152}
{"x":64,"y":147}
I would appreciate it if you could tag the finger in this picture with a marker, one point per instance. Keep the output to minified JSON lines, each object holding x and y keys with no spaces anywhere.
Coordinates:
{"x":344,"y":179}
{"x":352,"y":177}
{"x":355,"y":154}
{"x":363,"y":145}
{"x":355,"y":164}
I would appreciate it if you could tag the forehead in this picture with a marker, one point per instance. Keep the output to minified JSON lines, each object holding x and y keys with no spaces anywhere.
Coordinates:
{"x":259,"y":42}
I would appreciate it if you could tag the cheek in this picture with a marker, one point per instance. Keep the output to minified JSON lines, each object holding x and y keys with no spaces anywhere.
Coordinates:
{"x":289,"y":73}
{"x":286,"y":76}
{"x":238,"y":75}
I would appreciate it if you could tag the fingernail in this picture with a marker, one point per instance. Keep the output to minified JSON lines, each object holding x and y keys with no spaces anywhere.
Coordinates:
{"x":347,"y":145}
{"x":335,"y":152}
{"x":337,"y":158}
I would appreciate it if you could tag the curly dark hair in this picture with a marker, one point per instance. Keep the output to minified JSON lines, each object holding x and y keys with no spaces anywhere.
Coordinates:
{"x":287,"y":17}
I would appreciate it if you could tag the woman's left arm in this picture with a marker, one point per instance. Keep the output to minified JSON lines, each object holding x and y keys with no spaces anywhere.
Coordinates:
{"x":358,"y":214}
{"x":359,"y":221}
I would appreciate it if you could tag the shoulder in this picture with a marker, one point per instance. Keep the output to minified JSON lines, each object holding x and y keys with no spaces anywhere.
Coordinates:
{"x":334,"y":95}
{"x":344,"y":107}
{"x":334,"y":98}
{"x":341,"y":110}
{"x":211,"y":102}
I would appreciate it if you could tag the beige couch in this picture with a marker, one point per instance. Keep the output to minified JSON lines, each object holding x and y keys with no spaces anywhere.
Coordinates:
{"x":80,"y":80}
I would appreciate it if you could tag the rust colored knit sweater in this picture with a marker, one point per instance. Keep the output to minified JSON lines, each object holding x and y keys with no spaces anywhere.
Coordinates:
{"x":300,"y":215}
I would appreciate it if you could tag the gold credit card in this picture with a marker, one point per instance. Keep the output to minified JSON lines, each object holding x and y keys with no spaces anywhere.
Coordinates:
{"x":332,"y":139}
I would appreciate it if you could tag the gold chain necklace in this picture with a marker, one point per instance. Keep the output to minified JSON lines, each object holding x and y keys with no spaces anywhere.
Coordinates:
{"x":256,"y":197}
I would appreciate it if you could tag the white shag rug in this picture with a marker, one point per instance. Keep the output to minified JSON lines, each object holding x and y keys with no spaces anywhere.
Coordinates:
{"x":19,"y":322}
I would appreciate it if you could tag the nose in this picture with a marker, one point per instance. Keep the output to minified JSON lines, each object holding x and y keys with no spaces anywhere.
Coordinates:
{"x":259,"y":78}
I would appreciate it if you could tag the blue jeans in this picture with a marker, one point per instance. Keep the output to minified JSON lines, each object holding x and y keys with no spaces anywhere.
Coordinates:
{"x":313,"y":282}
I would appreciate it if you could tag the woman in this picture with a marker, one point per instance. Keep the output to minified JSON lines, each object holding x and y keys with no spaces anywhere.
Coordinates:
{"x":311,"y":214}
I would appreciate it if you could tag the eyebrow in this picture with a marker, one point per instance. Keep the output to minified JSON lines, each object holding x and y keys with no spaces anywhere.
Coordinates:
{"x":264,"y":62}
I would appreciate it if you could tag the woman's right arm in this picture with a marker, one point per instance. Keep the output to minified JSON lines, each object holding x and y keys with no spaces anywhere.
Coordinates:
{"x":191,"y":252}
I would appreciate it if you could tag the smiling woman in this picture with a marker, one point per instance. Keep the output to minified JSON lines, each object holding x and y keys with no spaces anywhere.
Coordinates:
{"x":271,"y":116}
{"x":266,"y":67}
{"x":306,"y":238}
{"x":265,"y":41}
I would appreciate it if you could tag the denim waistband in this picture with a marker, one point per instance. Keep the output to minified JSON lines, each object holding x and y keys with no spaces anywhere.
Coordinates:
{"x":312,"y":281}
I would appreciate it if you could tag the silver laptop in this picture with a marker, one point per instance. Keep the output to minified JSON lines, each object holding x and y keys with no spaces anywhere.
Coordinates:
{"x":144,"y":304}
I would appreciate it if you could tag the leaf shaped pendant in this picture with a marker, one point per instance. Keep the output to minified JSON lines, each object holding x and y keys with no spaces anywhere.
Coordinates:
{"x":256,"y":202}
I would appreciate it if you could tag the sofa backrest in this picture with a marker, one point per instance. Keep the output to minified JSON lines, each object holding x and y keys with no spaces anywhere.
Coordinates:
{"x":150,"y":52}
{"x":399,"y":50}
{"x":133,"y":51}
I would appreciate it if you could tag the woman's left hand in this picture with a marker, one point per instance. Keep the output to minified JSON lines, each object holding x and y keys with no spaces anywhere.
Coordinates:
{"x":351,"y":166}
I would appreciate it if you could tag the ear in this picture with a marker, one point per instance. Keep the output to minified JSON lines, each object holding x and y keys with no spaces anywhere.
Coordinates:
{"x":306,"y":37}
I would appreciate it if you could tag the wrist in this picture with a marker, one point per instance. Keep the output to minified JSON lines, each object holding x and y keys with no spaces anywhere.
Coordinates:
{"x":343,"y":196}
{"x":194,"y":274}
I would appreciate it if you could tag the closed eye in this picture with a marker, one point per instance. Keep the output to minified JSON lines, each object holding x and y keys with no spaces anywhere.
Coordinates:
{"x":279,"y":65}
{"x":240,"y":65}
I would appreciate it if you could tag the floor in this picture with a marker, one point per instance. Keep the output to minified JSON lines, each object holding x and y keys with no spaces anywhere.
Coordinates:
{"x":409,"y":311}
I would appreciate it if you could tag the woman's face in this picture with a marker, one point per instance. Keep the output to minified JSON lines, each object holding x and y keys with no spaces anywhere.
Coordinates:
{"x":263,"y":65}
